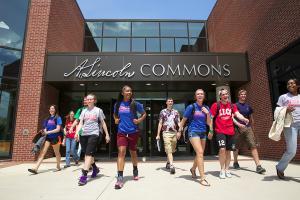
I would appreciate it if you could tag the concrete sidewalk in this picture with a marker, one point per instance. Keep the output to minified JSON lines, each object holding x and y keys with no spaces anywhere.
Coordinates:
{"x":155,"y":182}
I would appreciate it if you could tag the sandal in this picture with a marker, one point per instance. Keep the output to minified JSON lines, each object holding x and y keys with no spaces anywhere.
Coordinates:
{"x":33,"y":171}
{"x":57,"y":170}
{"x":204,"y":182}
{"x":193,"y":172}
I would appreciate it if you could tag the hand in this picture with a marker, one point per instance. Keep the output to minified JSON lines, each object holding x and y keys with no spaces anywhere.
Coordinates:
{"x":290,"y":108}
{"x":246,"y":121}
{"x":157,"y":137}
{"x":178,"y":135}
{"x":117,"y":120}
{"x":210,"y":136}
{"x":241,"y":125}
{"x":205,"y":110}
{"x":76,"y":137}
{"x":63,"y":142}
{"x":70,"y":130}
{"x":107,"y":138}
{"x":136,"y":121}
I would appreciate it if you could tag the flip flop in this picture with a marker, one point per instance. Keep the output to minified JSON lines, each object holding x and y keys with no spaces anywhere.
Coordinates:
{"x":57,"y":170}
{"x":193,"y":172}
{"x":32,"y":171}
{"x":204,"y":182}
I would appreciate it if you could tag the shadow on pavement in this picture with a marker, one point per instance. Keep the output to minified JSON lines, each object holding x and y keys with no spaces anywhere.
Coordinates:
{"x":287,"y":178}
{"x":216,"y":173}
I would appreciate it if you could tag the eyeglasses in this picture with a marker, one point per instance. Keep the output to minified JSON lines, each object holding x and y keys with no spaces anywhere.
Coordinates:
{"x":89,"y":99}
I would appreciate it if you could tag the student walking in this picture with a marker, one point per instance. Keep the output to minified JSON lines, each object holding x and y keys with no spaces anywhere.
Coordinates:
{"x":125,"y":116}
{"x":70,"y":140}
{"x":291,"y":101}
{"x":223,"y":112}
{"x":169,"y":120}
{"x":244,"y":132}
{"x":198,"y":116}
{"x":91,"y":122}
{"x":52,"y":130}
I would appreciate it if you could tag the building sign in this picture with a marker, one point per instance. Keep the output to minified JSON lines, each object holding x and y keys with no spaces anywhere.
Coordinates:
{"x":146,"y":67}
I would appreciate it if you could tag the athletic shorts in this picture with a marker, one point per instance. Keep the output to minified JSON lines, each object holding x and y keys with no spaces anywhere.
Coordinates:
{"x":170,"y":141}
{"x":225,"y":141}
{"x":89,"y":144}
{"x":245,"y":135}
{"x":55,"y":140}
{"x":200,"y":135}
{"x":128,"y":140}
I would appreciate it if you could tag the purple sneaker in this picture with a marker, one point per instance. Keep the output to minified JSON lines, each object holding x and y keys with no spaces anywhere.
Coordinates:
{"x":95,"y":172}
{"x":119,"y":184}
{"x":82,"y":180}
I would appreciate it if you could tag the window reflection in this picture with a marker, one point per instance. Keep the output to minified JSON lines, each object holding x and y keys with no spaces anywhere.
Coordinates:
{"x":138,"y":44}
{"x":95,"y":28}
{"x":123,"y":45}
{"x":116,"y":29}
{"x":198,"y":44}
{"x":109,"y":45}
{"x":152,"y":45}
{"x":181,"y":44}
{"x":167,"y":45}
{"x":145,"y":29}
{"x":196,"y":30}
{"x":173,"y":29}
{"x":9,"y":62}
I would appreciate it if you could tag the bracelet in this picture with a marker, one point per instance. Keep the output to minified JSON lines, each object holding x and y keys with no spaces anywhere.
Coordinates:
{"x":211,"y":132}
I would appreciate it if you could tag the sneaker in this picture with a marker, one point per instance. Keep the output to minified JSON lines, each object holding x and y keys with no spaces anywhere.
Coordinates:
{"x":66,"y":166}
{"x":95,"y":172}
{"x":76,"y":162}
{"x":228,"y":174}
{"x":82,"y":180}
{"x":168,"y":165}
{"x":172,"y":169}
{"x":260,"y":169}
{"x":222,"y":174}
{"x":236,"y":165}
{"x":33,"y":171}
{"x":135,"y":175}
{"x":280,"y":174}
{"x":119,"y":184}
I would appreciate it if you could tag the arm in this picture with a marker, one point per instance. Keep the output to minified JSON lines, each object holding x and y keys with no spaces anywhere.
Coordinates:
{"x":139,"y":120}
{"x":78,"y":129}
{"x":107,"y":138}
{"x":117,"y":119}
{"x":75,"y":123}
{"x":241,"y":117}
{"x":56,"y":130}
{"x":159,"y":129}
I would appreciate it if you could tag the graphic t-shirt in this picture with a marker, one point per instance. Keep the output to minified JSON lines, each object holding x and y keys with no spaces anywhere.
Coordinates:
{"x":50,"y":124}
{"x":223,"y":122}
{"x":197,"y":122}
{"x":246,"y":110}
{"x":68,"y":126}
{"x":170,"y":120}
{"x":126,"y":117}
{"x":289,"y":99}
{"x":91,"y":121}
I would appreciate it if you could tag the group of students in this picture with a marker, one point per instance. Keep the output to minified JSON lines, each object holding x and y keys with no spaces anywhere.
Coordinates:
{"x":231,"y":123}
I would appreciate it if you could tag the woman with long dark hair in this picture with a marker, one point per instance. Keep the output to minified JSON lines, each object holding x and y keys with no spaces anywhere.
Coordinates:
{"x":125,"y":116}
{"x":291,"y":101}
{"x":70,"y":140}
{"x":52,"y":130}
{"x":199,"y":117}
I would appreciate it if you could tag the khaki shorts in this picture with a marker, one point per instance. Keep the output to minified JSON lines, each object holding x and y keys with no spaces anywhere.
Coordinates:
{"x":245,"y":135}
{"x":170,"y":141}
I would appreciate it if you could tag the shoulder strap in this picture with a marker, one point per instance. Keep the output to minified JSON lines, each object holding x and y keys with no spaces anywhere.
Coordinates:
{"x":193,"y":110}
{"x":118,"y":103}
{"x":218,"y":108}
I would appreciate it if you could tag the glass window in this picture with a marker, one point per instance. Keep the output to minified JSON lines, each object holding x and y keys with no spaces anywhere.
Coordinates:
{"x":145,"y":29}
{"x":197,"y":30}
{"x":13,"y":14}
{"x":198,"y":44}
{"x":167,"y":44}
{"x":109,"y":45}
{"x":114,"y":29}
{"x":152,"y":45}
{"x":8,"y":93}
{"x":93,"y":29}
{"x":92,"y":44}
{"x":173,"y":29}
{"x":181,"y":44}
{"x":138,"y":44}
{"x":9,"y":63}
{"x":123,"y":45}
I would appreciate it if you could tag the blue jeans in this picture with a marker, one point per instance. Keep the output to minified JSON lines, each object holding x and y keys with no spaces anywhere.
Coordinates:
{"x":71,"y":149}
{"x":290,"y":134}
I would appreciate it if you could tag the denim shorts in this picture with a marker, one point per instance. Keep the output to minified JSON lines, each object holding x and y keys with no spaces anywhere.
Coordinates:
{"x":201,"y":135}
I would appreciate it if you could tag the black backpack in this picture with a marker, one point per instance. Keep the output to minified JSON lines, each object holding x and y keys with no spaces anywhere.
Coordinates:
{"x":189,"y":120}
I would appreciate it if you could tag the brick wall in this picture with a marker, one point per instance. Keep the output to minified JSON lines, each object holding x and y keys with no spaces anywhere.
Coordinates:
{"x":260,"y":28}
{"x":53,"y":25}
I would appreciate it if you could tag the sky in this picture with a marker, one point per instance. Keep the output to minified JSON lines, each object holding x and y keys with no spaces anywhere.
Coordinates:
{"x":146,"y":9}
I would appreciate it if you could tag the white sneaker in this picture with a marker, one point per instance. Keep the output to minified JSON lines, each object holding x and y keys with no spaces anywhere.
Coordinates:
{"x":222,"y":174}
{"x":228,"y":174}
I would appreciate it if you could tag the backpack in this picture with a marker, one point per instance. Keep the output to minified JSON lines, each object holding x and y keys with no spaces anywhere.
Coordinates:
{"x":189,"y":120}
